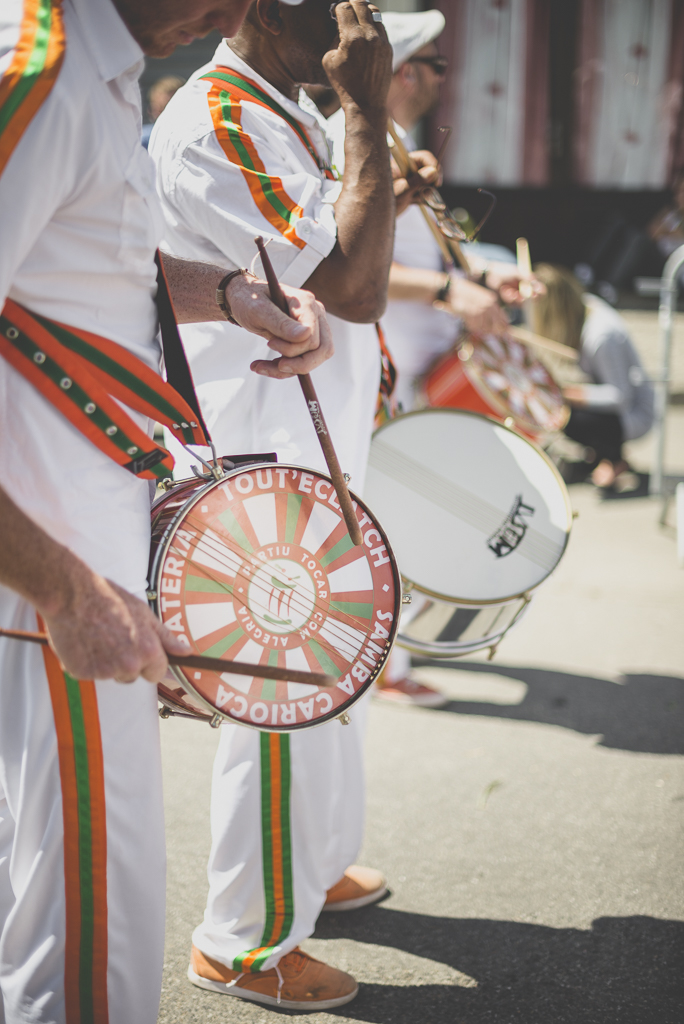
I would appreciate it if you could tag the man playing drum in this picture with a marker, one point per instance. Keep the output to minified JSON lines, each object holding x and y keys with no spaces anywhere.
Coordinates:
{"x":241,"y":152}
{"x":81,"y":823}
{"x":417,"y":333}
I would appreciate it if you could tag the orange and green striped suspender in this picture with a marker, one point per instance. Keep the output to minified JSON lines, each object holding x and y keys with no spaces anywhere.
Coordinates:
{"x":32,"y":73}
{"x":82,"y":374}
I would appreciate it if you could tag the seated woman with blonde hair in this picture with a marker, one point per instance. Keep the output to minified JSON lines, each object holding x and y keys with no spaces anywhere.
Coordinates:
{"x":617,"y":405}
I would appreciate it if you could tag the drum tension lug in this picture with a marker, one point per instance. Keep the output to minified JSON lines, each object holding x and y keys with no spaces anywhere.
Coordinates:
{"x":151,"y":595}
{"x":344,"y":718}
{"x":347,"y":477}
{"x":165,"y":712}
{"x":492,"y":651}
{"x":216,"y":721}
{"x":406,"y":598}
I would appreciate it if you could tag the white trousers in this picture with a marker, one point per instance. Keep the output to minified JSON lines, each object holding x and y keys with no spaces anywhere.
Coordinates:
{"x":287,"y":815}
{"x":82,"y":868}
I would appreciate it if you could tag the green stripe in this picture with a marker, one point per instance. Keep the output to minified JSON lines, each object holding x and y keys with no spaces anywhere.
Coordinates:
{"x":220,"y":648}
{"x":266,"y":838}
{"x":341,"y":548}
{"x":235,"y":134}
{"x":78,"y":397}
{"x":235,"y":530}
{"x":294,"y":504}
{"x":356,"y":608}
{"x":34,"y":66}
{"x":85,"y":850}
{"x":269,"y":102}
{"x":116,"y":371}
{"x":324,"y":660}
{"x":199,"y":585}
{"x":268,"y":690}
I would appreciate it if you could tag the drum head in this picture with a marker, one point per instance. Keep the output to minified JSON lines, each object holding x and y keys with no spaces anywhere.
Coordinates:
{"x":514,"y":382}
{"x":475,"y":512}
{"x":259,"y":568}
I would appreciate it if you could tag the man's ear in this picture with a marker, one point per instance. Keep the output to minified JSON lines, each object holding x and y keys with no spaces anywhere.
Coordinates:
{"x":268,"y":13}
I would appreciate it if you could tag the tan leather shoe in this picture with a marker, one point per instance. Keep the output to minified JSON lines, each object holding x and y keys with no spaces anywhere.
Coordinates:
{"x":299,"y":982}
{"x":357,"y":888}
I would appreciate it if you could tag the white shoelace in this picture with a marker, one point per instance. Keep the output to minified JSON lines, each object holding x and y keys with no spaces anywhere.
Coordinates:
{"x":229,"y":984}
{"x":280,"y":983}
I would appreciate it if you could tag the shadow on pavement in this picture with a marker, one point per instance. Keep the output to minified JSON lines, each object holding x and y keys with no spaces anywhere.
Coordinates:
{"x":623,"y":971}
{"x":643,"y":713}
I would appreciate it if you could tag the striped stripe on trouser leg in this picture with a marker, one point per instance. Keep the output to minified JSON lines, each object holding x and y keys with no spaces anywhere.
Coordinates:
{"x":85,"y":844}
{"x":276,"y":850}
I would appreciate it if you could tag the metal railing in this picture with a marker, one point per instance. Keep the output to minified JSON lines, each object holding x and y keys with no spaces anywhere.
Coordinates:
{"x":669,"y":288}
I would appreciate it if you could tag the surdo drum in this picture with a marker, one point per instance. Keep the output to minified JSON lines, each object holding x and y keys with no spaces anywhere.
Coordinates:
{"x":478,"y":517}
{"x":258,"y":567}
{"x":499,"y":377}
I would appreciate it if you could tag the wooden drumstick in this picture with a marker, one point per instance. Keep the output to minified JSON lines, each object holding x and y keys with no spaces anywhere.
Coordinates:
{"x":449,"y":248}
{"x":315,"y":411}
{"x":236,"y":668}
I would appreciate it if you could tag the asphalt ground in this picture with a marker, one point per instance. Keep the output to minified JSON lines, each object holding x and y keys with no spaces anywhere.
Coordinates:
{"x":530,"y":831}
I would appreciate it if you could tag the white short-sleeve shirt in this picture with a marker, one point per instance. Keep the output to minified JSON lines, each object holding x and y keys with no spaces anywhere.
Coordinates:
{"x":79,"y":217}
{"x":214,"y":207}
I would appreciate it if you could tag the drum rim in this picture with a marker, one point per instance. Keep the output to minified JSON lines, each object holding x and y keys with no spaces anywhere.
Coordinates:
{"x":165,"y":542}
{"x":492,"y":398}
{"x":481,"y":602}
{"x":431,"y":649}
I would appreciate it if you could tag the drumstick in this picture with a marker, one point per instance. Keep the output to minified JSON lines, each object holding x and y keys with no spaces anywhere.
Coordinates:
{"x":407,"y":167}
{"x":315,"y":411}
{"x":236,"y":668}
{"x":528,"y":337}
{"x":522,"y":249}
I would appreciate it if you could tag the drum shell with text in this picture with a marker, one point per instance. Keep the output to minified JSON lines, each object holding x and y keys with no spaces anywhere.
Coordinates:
{"x":258,"y":567}
{"x":498,"y":377}
{"x":478,"y":517}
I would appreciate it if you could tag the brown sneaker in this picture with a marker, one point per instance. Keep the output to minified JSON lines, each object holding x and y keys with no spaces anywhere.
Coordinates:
{"x":357,"y":888}
{"x":299,"y":982}
{"x":407,"y":691}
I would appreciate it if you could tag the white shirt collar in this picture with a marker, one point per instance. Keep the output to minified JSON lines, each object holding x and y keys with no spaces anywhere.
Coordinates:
{"x":225,"y":56}
{"x":111,"y":45}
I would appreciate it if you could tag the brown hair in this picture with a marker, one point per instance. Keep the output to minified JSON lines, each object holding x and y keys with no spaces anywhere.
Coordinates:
{"x":560,"y":313}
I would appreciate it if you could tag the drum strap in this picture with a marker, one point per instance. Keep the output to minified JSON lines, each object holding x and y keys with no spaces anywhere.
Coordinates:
{"x":85,"y":376}
{"x":386,"y":408}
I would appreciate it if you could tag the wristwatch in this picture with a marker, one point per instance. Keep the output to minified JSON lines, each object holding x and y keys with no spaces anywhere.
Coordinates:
{"x":221,"y":299}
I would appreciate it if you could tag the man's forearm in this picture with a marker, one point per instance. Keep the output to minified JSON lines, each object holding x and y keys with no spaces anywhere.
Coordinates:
{"x":415,"y":284}
{"x":352,"y":281}
{"x":32,"y":563}
{"x":193,"y":289}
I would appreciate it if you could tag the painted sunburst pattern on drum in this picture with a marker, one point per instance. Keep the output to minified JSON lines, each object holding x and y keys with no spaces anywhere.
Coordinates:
{"x":261,"y":570}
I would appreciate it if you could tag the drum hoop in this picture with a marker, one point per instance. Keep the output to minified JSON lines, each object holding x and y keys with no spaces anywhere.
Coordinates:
{"x":167,"y":539}
{"x":480,"y":603}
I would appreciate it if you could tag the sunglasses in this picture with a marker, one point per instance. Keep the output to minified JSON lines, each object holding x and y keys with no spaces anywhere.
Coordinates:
{"x":438,"y":64}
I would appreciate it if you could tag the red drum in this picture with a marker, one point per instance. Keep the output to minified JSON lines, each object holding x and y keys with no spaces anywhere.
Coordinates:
{"x":258,"y":567}
{"x":501,"y":378}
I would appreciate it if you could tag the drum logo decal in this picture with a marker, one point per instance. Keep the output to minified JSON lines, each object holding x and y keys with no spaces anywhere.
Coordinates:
{"x":281,"y":596}
{"x":511,"y":532}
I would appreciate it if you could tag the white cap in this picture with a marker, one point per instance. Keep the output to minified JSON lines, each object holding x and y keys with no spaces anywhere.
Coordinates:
{"x":409,"y":33}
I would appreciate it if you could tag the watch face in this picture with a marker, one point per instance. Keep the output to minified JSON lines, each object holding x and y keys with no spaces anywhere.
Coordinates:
{"x":261,"y":570}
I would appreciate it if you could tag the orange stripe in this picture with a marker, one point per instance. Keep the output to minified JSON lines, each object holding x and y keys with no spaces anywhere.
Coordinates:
{"x":266,"y":209}
{"x":98,"y":823}
{"x":72,"y":878}
{"x":41,"y":89}
{"x":276,"y":838}
{"x":23,"y":50}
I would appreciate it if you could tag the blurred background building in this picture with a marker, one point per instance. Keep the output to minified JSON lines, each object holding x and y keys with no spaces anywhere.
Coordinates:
{"x":570,"y":110}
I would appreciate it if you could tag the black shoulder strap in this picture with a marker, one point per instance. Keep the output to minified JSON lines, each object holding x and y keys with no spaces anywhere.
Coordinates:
{"x":177,"y":368}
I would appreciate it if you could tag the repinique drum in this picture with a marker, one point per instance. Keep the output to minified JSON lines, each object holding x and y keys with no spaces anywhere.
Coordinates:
{"x":258,"y":567}
{"x":499,"y":377}
{"x":478,"y":517}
